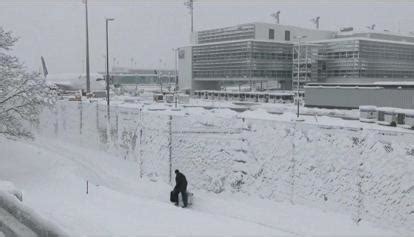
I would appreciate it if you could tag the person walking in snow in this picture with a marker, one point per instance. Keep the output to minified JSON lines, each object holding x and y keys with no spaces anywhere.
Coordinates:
{"x":180,"y":187}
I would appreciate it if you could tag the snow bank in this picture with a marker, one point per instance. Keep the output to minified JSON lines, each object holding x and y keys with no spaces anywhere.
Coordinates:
{"x":27,"y":216}
{"x":364,"y":173}
{"x":9,"y":187}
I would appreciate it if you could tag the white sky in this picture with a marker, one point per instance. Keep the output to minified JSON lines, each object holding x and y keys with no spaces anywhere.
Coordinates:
{"x":148,"y":30}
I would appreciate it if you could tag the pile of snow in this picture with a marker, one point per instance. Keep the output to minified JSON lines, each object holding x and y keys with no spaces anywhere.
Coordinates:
{"x":11,"y":204}
{"x":8,"y":187}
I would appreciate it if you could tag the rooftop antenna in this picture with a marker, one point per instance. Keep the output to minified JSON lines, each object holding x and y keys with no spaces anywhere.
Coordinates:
{"x":371,"y":27}
{"x":190,"y":5}
{"x":316,"y":21}
{"x":276,"y":16}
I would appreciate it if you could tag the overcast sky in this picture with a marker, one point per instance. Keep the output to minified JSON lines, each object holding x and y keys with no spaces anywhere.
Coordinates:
{"x":147,"y":31}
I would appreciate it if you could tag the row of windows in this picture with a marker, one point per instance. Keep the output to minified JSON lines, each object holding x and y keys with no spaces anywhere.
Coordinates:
{"x":272,"y":56}
{"x":386,"y":55}
{"x":243,"y":73}
{"x":244,"y":55}
{"x":272,"y":34}
{"x":388,"y":74}
{"x":371,"y":73}
{"x":349,"y":54}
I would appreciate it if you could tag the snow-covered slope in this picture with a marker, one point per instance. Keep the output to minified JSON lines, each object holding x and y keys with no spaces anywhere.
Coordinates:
{"x":53,"y":177}
{"x":363,"y":171}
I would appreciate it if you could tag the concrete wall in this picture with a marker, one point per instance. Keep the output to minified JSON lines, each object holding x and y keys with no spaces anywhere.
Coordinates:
{"x":354,"y":97}
{"x":185,"y":71}
{"x":262,"y":32}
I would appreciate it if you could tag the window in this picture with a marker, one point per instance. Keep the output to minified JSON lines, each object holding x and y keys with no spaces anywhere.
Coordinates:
{"x":287,"y":35}
{"x":271,"y":34}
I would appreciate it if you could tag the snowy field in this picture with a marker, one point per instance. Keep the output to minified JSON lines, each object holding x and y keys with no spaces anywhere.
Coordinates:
{"x":253,"y":173}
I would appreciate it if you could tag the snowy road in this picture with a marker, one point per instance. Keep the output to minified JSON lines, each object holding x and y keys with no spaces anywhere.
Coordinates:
{"x":53,"y":177}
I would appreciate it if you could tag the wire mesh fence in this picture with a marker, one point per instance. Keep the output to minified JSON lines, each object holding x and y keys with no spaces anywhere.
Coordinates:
{"x":367,"y":173}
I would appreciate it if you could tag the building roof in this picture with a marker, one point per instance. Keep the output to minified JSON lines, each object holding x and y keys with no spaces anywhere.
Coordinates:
{"x":244,"y":40}
{"x":262,"y":23}
{"x":362,"y":38}
{"x":374,"y":85}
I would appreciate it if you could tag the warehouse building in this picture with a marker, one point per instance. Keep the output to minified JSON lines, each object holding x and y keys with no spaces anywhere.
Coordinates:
{"x":353,"y":95}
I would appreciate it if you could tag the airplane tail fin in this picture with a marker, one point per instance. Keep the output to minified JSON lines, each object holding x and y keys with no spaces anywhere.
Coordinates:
{"x":45,"y":72}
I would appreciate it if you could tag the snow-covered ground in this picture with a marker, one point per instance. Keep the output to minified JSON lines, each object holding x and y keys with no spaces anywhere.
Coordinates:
{"x":53,"y":174}
{"x":253,"y":172}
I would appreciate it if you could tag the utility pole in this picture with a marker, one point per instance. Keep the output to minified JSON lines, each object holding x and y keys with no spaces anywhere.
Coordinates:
{"x":88,"y":73}
{"x":107,"y":20}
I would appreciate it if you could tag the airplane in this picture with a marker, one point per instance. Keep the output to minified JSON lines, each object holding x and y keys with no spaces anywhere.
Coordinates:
{"x":76,"y":82}
{"x":73,"y":81}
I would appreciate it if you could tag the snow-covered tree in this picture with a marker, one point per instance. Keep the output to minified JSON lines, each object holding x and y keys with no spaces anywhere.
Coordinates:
{"x":22,"y":94}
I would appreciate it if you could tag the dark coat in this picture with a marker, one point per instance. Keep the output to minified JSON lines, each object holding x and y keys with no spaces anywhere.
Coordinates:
{"x":180,"y":182}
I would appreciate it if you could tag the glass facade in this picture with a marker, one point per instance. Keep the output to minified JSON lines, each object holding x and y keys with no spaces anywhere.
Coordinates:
{"x":243,"y":61}
{"x":367,"y":59}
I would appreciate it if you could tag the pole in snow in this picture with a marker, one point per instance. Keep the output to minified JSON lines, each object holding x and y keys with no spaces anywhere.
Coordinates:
{"x":107,"y":67}
{"x":88,"y":82}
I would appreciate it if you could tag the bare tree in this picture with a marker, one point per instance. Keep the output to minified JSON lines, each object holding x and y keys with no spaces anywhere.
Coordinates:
{"x":22,"y":94}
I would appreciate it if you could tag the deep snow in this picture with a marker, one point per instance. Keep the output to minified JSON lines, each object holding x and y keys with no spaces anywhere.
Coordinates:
{"x":253,"y":170}
{"x":53,"y":174}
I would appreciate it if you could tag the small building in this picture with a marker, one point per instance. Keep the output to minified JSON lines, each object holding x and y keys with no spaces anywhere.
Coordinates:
{"x":405,"y":118}
{"x":387,"y":116}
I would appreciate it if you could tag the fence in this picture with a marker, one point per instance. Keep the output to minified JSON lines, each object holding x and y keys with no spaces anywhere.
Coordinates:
{"x":365,"y":173}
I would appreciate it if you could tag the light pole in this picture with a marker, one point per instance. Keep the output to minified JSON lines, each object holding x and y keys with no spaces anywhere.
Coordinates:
{"x":176,"y":68}
{"x":190,"y":5}
{"x":298,"y":79}
{"x":107,"y":20}
{"x":88,"y":80}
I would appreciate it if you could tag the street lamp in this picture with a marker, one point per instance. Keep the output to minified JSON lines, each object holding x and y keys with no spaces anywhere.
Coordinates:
{"x":107,"y":67}
{"x":298,"y":79}
{"x":88,"y":80}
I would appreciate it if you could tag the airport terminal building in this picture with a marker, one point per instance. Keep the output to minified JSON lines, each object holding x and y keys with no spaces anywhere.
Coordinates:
{"x":268,"y":54}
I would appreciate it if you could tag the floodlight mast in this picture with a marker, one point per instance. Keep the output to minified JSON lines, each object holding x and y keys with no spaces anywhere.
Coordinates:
{"x":107,"y":20}
{"x":190,"y":5}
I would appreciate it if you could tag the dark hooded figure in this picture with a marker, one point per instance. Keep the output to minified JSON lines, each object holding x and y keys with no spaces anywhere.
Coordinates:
{"x":180,"y":187}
